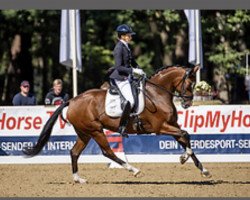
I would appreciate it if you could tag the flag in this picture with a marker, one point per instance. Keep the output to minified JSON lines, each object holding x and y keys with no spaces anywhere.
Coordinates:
{"x":195,"y":56}
{"x":66,"y":52}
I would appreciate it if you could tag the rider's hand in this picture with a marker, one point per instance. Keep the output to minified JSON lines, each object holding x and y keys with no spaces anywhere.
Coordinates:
{"x":138,"y":71}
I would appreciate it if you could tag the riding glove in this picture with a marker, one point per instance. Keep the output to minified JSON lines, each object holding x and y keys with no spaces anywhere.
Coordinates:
{"x":138,"y":71}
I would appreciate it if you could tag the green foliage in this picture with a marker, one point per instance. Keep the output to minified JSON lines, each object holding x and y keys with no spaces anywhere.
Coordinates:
{"x":144,"y":62}
{"x":229,"y":35}
{"x":226,"y":58}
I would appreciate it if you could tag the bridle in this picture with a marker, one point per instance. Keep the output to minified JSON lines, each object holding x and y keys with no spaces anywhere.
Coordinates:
{"x":183,"y":84}
{"x":182,"y":94}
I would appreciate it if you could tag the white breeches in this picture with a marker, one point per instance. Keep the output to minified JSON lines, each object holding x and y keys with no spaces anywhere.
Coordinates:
{"x":126,"y":91}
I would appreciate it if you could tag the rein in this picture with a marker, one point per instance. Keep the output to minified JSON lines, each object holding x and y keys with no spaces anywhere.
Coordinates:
{"x":182,"y":94}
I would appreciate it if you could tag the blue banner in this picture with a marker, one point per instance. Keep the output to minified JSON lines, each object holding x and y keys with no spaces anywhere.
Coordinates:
{"x":201,"y":144}
{"x":135,"y":144}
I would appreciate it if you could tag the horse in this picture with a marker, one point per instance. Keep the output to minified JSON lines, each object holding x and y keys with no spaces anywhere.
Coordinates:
{"x":86,"y":112}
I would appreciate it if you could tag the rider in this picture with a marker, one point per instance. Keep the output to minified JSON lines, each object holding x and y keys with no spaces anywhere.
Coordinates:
{"x":125,"y":67}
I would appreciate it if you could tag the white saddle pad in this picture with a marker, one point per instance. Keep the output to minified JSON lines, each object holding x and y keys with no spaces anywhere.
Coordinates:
{"x":113,"y":103}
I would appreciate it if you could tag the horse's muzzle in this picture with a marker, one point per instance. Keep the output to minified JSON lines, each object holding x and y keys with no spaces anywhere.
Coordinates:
{"x":186,"y":104}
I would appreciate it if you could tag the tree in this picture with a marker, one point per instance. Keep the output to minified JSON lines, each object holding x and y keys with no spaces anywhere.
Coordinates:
{"x":228,"y":32}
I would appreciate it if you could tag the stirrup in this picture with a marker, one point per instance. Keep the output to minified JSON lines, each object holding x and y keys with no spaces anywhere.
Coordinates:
{"x":121,"y":130}
{"x":138,"y":124}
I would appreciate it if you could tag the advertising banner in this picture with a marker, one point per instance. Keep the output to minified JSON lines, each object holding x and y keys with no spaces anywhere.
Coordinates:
{"x":214,"y":130}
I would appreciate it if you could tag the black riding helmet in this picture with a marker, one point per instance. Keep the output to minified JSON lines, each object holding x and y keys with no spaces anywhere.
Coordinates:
{"x":124,"y":29}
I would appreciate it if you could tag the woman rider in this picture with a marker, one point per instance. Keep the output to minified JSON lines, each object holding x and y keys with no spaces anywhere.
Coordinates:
{"x":125,"y":67}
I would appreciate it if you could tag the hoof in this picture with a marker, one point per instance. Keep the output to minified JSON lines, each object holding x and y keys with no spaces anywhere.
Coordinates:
{"x":77,"y":179}
{"x":206,"y":174}
{"x":183,"y":158}
{"x":81,"y":181}
{"x":137,"y":173}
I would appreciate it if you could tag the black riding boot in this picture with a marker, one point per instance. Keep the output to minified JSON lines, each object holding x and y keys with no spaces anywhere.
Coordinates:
{"x":124,"y":119}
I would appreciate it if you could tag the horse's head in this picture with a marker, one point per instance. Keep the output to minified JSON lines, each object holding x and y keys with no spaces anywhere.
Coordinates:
{"x":177,"y":80}
{"x":184,"y":85}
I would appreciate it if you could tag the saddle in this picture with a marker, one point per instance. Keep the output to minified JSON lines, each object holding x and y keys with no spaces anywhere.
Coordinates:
{"x":114,"y":102}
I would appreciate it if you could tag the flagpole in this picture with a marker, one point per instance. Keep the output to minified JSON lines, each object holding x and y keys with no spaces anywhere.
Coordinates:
{"x":73,"y":47}
{"x":247,"y":64}
{"x":197,"y":37}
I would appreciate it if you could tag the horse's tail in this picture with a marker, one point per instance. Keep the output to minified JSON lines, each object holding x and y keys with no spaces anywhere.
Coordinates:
{"x":46,"y":132}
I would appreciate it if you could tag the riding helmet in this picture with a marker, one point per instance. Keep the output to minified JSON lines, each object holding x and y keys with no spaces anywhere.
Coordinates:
{"x":124,"y":29}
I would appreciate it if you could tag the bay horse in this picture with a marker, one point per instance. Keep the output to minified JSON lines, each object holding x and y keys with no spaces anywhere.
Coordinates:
{"x":86,"y":112}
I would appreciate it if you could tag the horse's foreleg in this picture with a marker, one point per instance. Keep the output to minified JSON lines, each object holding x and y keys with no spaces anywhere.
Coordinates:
{"x":102,"y":141}
{"x":181,"y":136}
{"x":75,"y":152}
{"x":185,"y":143}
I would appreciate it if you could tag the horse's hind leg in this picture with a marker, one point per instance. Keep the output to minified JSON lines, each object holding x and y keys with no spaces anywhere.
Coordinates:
{"x":75,"y":152}
{"x":204,"y":171}
{"x":185,"y":143}
{"x":102,"y":141}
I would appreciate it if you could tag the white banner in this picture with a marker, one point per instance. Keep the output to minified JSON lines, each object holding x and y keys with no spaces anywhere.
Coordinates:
{"x":29,"y":120}
{"x":216,"y":119}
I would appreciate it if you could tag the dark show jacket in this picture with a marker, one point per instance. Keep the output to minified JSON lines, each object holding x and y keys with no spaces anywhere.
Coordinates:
{"x":124,"y":61}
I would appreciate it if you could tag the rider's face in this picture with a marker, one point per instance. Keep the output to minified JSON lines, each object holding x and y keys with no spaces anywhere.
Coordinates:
{"x":127,"y":38}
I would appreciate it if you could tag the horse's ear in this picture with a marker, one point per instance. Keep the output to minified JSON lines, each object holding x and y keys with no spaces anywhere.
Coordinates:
{"x":196,"y":68}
